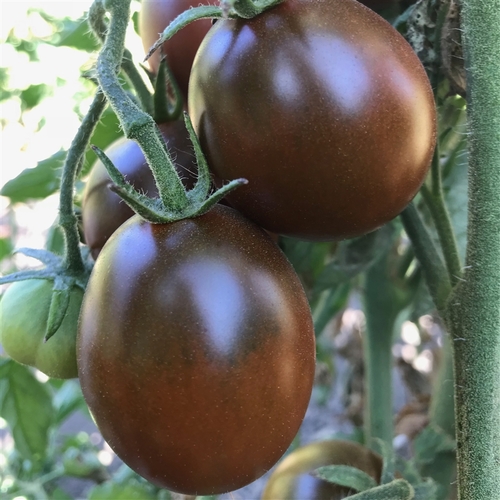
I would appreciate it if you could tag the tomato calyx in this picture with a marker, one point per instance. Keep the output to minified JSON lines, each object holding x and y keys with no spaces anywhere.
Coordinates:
{"x":174,"y":202}
{"x":57,"y":271}
{"x":232,"y":9}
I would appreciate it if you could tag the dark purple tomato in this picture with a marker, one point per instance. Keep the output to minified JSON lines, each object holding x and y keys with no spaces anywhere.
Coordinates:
{"x":291,"y":479}
{"x":324,"y":108}
{"x":180,"y":50}
{"x":103,"y":211}
{"x":196,"y":351}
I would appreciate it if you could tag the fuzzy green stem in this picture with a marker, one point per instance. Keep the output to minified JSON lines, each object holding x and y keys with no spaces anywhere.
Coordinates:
{"x":434,"y":270}
{"x":136,"y":124}
{"x":380,"y":311}
{"x":233,"y":9}
{"x":474,"y":309}
{"x":434,"y":198}
{"x":99,"y":27}
{"x":67,"y":217}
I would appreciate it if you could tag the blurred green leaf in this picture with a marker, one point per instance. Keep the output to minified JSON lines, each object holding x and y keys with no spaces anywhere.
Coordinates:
{"x":112,"y":491}
{"x":36,"y":183}
{"x":430,"y":442}
{"x":347,"y":476}
{"x":5,"y":247}
{"x":354,"y":257}
{"x":32,"y":96}
{"x":29,"y":47}
{"x":71,"y":33}
{"x":68,"y":399}
{"x":26,"y":405}
{"x":59,"y":494}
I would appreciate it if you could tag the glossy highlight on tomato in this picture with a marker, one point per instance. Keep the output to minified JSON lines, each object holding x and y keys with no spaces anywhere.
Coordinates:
{"x":324,"y":108}
{"x":103,"y":211}
{"x":196,"y":351}
{"x":155,"y":16}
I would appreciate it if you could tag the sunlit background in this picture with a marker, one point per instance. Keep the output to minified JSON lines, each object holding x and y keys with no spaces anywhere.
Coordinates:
{"x":29,"y":136}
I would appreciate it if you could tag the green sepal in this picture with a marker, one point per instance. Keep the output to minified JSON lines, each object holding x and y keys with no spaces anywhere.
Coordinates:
{"x":58,"y":306}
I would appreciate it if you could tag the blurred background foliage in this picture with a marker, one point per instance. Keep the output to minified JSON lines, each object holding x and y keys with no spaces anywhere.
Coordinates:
{"x":49,"y":445}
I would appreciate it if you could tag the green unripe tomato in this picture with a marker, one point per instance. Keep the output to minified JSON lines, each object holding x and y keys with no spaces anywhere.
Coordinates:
{"x":24,"y":311}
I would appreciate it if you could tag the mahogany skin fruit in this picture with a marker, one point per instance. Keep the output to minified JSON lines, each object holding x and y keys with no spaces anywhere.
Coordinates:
{"x":196,"y":351}
{"x":324,"y":108}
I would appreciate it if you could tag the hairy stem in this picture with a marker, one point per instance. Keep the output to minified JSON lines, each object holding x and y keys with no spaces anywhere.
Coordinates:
{"x":474,"y":309}
{"x":137,"y":124}
{"x":434,"y":198}
{"x":434,"y":270}
{"x":67,"y":217}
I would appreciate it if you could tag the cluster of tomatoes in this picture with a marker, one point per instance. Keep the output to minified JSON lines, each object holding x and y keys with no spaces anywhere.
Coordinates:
{"x":196,"y":348}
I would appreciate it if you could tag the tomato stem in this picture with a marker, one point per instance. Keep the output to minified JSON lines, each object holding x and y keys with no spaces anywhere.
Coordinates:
{"x":380,"y":311}
{"x":234,"y":9}
{"x":67,"y":217}
{"x":433,"y":267}
{"x":474,"y":308}
{"x":99,"y":27}
{"x":434,"y":198}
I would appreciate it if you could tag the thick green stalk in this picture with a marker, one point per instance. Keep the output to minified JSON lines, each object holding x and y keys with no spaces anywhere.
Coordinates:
{"x":474,"y":309}
{"x":67,"y":217}
{"x":137,"y":124}
{"x":380,"y":311}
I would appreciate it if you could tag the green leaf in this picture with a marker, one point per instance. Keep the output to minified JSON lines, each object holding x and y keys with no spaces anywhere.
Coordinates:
{"x":71,"y":33}
{"x":36,"y":183}
{"x":33,"y":95}
{"x":397,"y":490}
{"x":112,"y":491}
{"x":347,"y":476}
{"x":67,"y":400}
{"x":354,"y":257}
{"x":5,"y":247}
{"x":389,"y":460}
{"x":430,"y":442}
{"x":26,"y":405}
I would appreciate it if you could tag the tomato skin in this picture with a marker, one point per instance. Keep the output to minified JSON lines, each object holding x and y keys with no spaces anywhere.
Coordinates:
{"x":24,"y":311}
{"x":291,"y":479}
{"x":196,"y":351}
{"x":324,"y":108}
{"x":103,"y":211}
{"x":155,"y":16}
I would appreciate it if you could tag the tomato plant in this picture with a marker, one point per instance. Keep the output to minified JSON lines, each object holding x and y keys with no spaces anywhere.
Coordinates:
{"x":103,"y":211}
{"x":24,"y":311}
{"x":323,"y":107}
{"x":155,"y":16}
{"x":196,"y":350}
{"x":291,"y":479}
